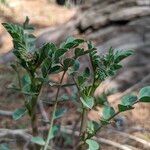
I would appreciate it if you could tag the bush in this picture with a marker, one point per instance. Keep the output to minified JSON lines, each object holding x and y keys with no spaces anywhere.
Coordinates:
{"x":50,"y":59}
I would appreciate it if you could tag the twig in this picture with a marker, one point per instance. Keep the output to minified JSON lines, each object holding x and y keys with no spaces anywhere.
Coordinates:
{"x":112,"y":143}
{"x":15,"y":133}
{"x":18,"y":135}
{"x":43,"y":112}
{"x":6,"y":113}
{"x":146,"y":143}
{"x":134,"y":87}
{"x":101,"y":140}
{"x":23,"y":133}
{"x":54,"y":111}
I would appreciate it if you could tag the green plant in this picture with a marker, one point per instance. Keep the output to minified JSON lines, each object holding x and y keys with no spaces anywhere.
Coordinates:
{"x":39,"y":64}
{"x":3,"y":1}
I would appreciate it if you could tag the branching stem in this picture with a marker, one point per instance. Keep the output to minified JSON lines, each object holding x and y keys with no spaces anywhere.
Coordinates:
{"x":53,"y":114}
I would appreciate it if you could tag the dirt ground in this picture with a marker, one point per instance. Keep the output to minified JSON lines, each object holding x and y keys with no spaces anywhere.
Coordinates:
{"x":44,"y":14}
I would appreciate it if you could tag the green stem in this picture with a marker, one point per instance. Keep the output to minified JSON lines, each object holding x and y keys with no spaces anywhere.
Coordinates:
{"x":83,"y":122}
{"x":34,"y":117}
{"x":53,"y":114}
{"x":19,"y":79}
{"x":90,"y":136}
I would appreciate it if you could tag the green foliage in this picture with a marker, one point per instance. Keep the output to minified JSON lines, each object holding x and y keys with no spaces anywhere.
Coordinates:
{"x":59,"y":113}
{"x":38,"y":140}
{"x":39,"y":64}
{"x":92,"y":126}
{"x":18,"y":113}
{"x":93,"y":145}
{"x":128,"y":100}
{"x":4,"y":147}
{"x":3,"y":1}
{"x":144,"y":94}
{"x":54,"y":132}
{"x":108,"y":112}
{"x":88,"y":102}
{"x":124,"y":108}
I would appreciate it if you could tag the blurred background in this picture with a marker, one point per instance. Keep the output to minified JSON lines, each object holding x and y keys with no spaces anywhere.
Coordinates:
{"x":121,"y":24}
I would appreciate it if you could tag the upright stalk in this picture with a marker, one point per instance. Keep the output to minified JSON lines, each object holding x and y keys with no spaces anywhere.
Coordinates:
{"x":54,"y":111}
{"x":34,"y":124}
{"x":83,"y":122}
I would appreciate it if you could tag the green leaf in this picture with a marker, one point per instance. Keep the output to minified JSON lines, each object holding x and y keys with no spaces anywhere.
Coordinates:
{"x":26,"y":80}
{"x":60,"y":52}
{"x":79,"y":41}
{"x":26,"y":89}
{"x":45,"y":51}
{"x":54,"y":131}
{"x":120,"y":55}
{"x":78,"y":52}
{"x":81,"y":80}
{"x":88,"y":102}
{"x":71,"y":43}
{"x":92,"y":126}
{"x":56,"y":69}
{"x":108,"y":112}
{"x":60,"y":112}
{"x":86,"y":72}
{"x":76,"y":65}
{"x":124,"y":108}
{"x":23,"y":40}
{"x":19,"y":40}
{"x":128,"y":100}
{"x":18,"y":113}
{"x":70,"y":39}
{"x":74,"y":68}
{"x":4,"y":147}
{"x":90,"y":45}
{"x":93,"y":145}
{"x":67,"y":140}
{"x":38,"y":140}
{"x":46,"y":67}
{"x":144,"y":94}
{"x":68,"y":62}
{"x":102,"y":100}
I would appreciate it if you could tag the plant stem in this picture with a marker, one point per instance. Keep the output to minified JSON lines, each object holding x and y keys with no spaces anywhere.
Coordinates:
{"x":53,"y":114}
{"x":34,"y":122}
{"x":107,"y":121}
{"x":102,"y":125}
{"x":83,"y":122}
